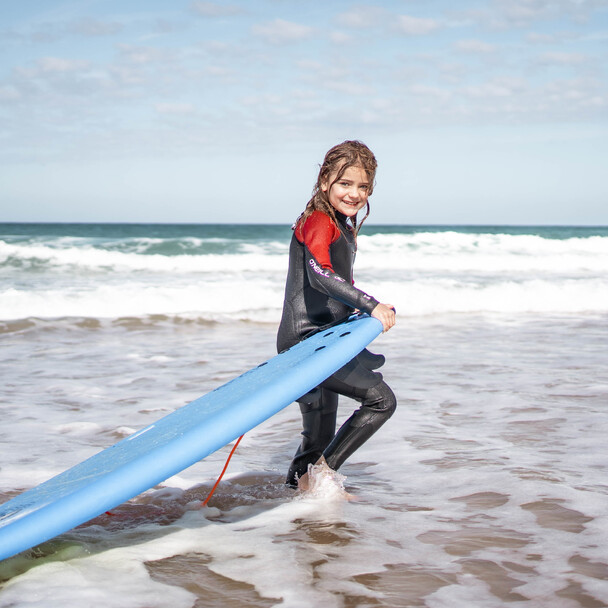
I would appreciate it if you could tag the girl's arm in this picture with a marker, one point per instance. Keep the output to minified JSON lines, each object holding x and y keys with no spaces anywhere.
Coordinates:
{"x":329,"y":282}
{"x":318,"y":236}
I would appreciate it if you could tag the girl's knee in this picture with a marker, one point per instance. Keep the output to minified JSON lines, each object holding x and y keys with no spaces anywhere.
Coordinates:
{"x":381,"y":398}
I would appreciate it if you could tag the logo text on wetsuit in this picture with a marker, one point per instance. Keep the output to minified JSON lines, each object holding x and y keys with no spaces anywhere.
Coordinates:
{"x":324,"y":272}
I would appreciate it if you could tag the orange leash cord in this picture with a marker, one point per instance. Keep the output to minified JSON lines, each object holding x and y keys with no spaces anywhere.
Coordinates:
{"x":217,"y":483}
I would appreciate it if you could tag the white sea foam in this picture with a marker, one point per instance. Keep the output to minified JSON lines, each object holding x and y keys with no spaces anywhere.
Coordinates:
{"x":210,"y":300}
{"x":254,"y":298}
{"x":79,"y":428}
{"x":444,"y":251}
{"x":420,"y":273}
{"x":432,"y":296}
{"x":452,"y":251}
{"x":93,"y":259}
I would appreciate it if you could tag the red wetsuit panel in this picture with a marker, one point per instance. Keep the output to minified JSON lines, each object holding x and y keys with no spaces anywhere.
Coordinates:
{"x":318,"y":233}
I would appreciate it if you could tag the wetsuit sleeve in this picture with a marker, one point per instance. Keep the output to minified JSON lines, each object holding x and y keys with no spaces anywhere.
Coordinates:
{"x":318,"y":235}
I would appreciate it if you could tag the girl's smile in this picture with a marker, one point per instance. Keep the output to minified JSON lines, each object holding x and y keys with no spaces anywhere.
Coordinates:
{"x":350,"y":193}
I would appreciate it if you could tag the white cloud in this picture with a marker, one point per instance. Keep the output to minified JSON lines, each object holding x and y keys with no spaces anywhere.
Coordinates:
{"x":142,"y":54}
{"x":489,"y":90}
{"x":95,"y":27}
{"x":415,"y":26}
{"x":58,"y":64}
{"x":9,"y":93}
{"x":506,"y":14}
{"x":524,"y":11}
{"x":308,"y":64}
{"x":597,"y":102}
{"x":536,"y":38}
{"x":46,"y":32}
{"x":264,"y":100}
{"x":421,"y":90}
{"x":216,"y":70}
{"x":360,"y":17}
{"x":175,"y":108}
{"x":335,"y":77}
{"x":338,"y":37}
{"x":587,"y":93}
{"x":213,"y":9}
{"x":123,"y":76}
{"x":555,"y":38}
{"x":236,"y":84}
{"x":475,"y":47}
{"x":564,"y":59}
{"x":348,"y":87}
{"x":280,"y":31}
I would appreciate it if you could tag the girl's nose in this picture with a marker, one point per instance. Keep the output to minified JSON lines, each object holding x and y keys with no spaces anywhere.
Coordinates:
{"x":353,"y":193}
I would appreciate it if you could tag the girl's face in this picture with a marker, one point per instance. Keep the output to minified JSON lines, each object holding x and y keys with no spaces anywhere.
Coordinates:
{"x":349,"y":194}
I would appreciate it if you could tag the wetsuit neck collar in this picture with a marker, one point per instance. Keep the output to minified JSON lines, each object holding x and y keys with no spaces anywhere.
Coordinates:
{"x":341,"y":218}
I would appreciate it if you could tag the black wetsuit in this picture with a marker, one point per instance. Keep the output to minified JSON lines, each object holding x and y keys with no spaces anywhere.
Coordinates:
{"x":319,"y":290}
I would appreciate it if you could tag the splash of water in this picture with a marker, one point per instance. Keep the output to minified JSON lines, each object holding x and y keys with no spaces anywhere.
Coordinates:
{"x":324,"y":482}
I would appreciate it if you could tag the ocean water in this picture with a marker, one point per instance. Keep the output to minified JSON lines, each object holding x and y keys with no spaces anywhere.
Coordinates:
{"x":487,"y":488}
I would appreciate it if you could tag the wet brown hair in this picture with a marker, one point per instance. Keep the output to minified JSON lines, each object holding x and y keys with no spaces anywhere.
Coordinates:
{"x":350,"y":153}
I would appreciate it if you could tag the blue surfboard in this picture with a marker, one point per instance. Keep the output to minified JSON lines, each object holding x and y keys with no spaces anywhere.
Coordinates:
{"x":180,"y":439}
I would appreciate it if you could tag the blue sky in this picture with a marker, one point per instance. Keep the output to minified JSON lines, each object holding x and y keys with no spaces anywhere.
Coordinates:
{"x":479,"y":112}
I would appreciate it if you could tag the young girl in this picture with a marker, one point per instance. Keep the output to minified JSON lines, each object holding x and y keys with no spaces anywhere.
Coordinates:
{"x":320,"y":290}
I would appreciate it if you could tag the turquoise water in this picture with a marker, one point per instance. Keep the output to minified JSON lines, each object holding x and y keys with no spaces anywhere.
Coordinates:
{"x":272,"y":231}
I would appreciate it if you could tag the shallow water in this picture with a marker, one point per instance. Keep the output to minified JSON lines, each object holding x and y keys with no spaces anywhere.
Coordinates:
{"x":487,"y":487}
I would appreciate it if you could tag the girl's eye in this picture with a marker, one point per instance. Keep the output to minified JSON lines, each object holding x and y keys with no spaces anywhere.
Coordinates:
{"x":348,"y":184}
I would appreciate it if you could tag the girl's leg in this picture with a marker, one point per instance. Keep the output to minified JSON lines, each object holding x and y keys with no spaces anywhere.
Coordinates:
{"x":319,"y":408}
{"x":377,"y":406}
{"x":357,"y":381}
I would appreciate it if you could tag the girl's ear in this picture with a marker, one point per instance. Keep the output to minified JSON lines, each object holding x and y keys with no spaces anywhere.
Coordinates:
{"x":324,"y":184}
